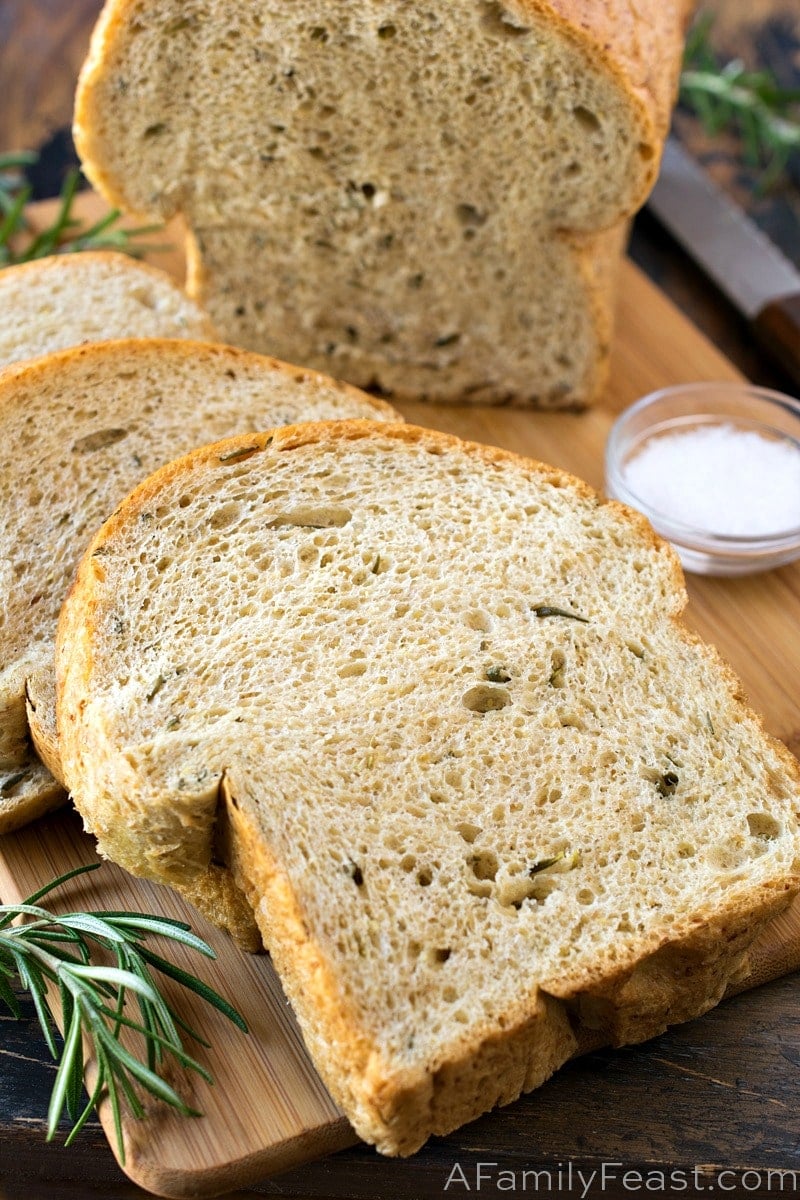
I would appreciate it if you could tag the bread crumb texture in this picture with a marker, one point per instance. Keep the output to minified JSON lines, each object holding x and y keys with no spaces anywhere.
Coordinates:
{"x":79,"y":430}
{"x":388,"y":191}
{"x":66,"y":300}
{"x":481,"y":786}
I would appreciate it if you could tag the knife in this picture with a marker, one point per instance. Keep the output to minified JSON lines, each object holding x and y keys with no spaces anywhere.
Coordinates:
{"x":752,"y":272}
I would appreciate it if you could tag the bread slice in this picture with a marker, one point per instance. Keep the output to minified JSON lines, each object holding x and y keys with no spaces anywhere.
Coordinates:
{"x":483,"y":789}
{"x":53,"y":303}
{"x":388,"y":191}
{"x":540,"y":335}
{"x":79,"y":429}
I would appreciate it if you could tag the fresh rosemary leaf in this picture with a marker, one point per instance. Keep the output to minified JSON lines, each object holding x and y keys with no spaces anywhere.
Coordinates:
{"x":765,"y":115}
{"x":65,"y":234}
{"x":6,"y":994}
{"x":54,"y":883}
{"x":194,"y":985}
{"x":71,"y":1061}
{"x":176,"y":931}
{"x":59,"y":949}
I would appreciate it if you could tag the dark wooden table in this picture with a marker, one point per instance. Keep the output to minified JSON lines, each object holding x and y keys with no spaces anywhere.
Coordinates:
{"x":676,"y":1114}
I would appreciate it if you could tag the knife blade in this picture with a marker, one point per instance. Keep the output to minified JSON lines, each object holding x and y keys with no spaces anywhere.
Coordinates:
{"x":752,"y":272}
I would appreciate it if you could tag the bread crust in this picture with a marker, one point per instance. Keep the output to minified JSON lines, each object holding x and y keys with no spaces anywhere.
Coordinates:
{"x":671,"y":974}
{"x":50,"y":365}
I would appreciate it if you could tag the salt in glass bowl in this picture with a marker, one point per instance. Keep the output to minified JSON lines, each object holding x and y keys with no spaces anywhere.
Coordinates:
{"x":692,"y":406}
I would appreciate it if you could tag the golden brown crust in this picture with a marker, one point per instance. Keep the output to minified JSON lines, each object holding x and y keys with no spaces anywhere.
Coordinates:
{"x":49,"y":365}
{"x":680,"y":978}
{"x":641,"y":44}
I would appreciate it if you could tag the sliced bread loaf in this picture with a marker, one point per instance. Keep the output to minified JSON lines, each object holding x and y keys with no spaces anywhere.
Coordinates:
{"x":62,"y":301}
{"x":79,"y":429}
{"x":387,"y":190}
{"x":435,"y":703}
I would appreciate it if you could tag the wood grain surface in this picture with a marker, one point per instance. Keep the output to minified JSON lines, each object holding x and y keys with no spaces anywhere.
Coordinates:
{"x":237,"y":1142}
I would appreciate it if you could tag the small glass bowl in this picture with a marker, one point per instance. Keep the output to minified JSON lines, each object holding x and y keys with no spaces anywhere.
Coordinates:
{"x":689,"y":406}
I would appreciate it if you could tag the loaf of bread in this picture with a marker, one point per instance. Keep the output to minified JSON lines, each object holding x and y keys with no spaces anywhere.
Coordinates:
{"x":434,"y":704}
{"x":79,"y":429}
{"x":53,"y":303}
{"x":410,"y":196}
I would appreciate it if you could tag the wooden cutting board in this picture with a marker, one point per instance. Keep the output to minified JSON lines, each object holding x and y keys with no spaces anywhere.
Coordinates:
{"x":288,"y":1117}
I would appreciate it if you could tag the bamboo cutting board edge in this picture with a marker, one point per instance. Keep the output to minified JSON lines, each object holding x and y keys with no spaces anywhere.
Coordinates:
{"x":655,"y":346}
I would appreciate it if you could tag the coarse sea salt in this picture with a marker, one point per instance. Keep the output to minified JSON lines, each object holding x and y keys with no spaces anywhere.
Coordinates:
{"x":720,"y":478}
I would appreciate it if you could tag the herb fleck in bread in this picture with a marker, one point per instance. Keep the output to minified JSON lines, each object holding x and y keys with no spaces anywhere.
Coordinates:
{"x":62,"y":301}
{"x":79,"y":429}
{"x":482,"y":788}
{"x":411,"y":196}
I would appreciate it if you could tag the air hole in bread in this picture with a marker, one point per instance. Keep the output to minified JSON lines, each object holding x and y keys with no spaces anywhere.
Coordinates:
{"x":764,"y":825}
{"x":226,"y":514}
{"x":478,"y":620}
{"x":352,"y":670}
{"x":486,"y":698}
{"x":311,"y":517}
{"x":468,"y":831}
{"x":484,"y":865}
{"x":424,"y":877}
{"x":548,"y":795}
{"x":498,"y":22}
{"x":557,"y":664}
{"x":145,"y":297}
{"x":587,"y":120}
{"x":468,"y":214}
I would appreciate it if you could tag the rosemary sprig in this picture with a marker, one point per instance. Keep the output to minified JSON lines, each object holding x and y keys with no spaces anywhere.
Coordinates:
{"x":58,"y":949}
{"x":766,"y":116}
{"x":65,"y":235}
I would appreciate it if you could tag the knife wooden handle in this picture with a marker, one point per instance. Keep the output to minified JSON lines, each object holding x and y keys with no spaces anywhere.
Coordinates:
{"x":777,"y":327}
